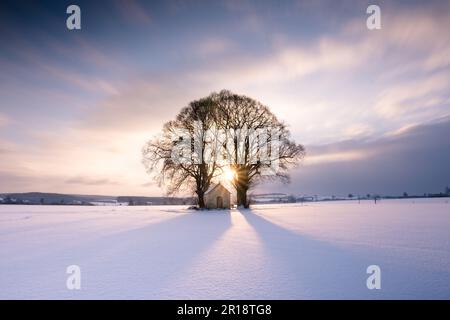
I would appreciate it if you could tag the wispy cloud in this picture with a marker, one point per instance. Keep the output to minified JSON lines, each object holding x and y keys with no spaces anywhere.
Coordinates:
{"x":429,"y":95}
{"x":91,"y":181}
{"x":214,"y":46}
{"x":4,"y":120}
{"x":133,"y":11}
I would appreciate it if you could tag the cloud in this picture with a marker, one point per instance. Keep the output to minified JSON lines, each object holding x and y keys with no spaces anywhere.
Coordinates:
{"x":214,"y":46}
{"x":133,"y":12}
{"x":81,"y":81}
{"x":4,"y":120}
{"x":286,"y":64}
{"x":76,"y":161}
{"x":91,"y":181}
{"x":331,"y":157}
{"x":415,"y":160}
{"x":415,"y":34}
{"x":358,"y":130}
{"x":416,"y":96}
{"x":141,"y":105}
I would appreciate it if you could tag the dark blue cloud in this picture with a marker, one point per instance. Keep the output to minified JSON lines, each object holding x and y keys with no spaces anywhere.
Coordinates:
{"x":416,"y":161}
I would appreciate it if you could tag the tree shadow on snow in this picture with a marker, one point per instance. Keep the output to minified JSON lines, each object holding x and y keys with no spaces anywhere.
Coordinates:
{"x":302,"y":267}
{"x":141,"y":262}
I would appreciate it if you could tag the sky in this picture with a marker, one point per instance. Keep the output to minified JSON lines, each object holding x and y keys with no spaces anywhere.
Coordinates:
{"x":371,"y":107}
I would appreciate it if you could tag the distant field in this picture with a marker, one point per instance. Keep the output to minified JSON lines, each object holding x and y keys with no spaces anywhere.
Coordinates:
{"x":292,"y":251}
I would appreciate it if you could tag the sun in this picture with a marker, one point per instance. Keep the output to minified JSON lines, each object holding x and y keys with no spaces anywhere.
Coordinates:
{"x":229,"y":174}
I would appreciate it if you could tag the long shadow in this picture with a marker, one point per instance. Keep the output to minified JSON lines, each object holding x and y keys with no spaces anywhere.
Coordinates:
{"x":305,"y":268}
{"x":140,"y":263}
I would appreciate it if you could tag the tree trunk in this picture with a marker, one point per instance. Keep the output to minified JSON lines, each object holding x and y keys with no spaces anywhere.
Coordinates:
{"x":201,"y":199}
{"x":242,"y":186}
{"x":242,"y":197}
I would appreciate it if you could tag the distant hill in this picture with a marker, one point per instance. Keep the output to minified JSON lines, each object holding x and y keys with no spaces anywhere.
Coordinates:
{"x":75,"y":199}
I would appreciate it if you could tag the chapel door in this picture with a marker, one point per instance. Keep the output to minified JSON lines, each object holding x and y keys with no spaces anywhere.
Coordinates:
{"x":219,"y":202}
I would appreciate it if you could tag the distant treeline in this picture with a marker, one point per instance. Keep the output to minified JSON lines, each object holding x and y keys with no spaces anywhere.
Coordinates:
{"x":290,"y":198}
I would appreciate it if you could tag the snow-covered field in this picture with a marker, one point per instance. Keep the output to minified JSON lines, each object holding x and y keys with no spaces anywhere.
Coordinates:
{"x":318,"y":250}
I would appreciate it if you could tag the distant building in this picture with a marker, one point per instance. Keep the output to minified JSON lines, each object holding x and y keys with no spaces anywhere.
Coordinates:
{"x":218,"y":197}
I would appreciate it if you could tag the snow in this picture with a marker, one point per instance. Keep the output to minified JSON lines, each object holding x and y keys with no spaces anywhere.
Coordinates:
{"x":278,"y":251}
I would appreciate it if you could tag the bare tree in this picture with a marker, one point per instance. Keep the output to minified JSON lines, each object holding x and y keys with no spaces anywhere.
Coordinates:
{"x":261,"y":144}
{"x":223,"y":129}
{"x":181,"y":158}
